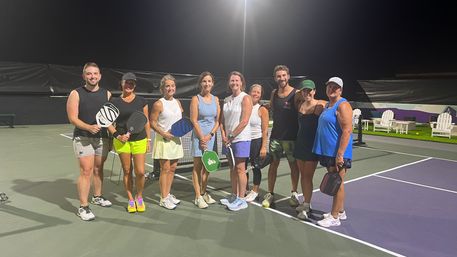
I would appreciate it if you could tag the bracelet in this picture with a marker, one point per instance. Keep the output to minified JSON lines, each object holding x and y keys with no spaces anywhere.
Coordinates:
{"x":212,"y":134}
{"x":116,"y":134}
{"x":149,"y":140}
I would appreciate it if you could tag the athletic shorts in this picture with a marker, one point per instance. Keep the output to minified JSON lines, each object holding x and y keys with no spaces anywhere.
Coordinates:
{"x":241,"y":149}
{"x":328,"y":161}
{"x":133,"y":147}
{"x":280,"y":147}
{"x":89,"y":146}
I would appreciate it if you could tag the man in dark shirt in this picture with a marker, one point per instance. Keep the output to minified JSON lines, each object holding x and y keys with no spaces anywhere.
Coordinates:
{"x":90,"y":142}
{"x":283,"y":133}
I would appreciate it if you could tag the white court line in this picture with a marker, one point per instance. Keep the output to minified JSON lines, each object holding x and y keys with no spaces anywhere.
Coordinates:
{"x":66,"y":136}
{"x":410,"y":154}
{"x":370,"y":175}
{"x":417,"y":184}
{"x":308,"y":223}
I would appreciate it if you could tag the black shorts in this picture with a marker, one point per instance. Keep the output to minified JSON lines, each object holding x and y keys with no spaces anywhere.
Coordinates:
{"x":328,"y":161}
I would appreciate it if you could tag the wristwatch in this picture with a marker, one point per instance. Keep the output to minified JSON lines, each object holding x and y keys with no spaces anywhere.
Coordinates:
{"x":212,"y":134}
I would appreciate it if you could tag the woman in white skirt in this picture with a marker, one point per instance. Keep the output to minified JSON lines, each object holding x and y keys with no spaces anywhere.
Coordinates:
{"x":167,"y":148}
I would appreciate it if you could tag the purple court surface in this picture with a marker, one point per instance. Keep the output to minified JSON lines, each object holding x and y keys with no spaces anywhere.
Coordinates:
{"x":410,"y":210}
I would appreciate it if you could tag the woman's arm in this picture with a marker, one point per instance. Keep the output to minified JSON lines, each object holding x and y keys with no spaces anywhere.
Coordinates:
{"x":265,"y":119}
{"x":344,"y":116}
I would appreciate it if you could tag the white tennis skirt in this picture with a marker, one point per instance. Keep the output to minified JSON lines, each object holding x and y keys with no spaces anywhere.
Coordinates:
{"x":167,"y":149}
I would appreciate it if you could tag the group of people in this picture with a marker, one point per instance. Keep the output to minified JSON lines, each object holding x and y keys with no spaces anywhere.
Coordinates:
{"x":305,"y":130}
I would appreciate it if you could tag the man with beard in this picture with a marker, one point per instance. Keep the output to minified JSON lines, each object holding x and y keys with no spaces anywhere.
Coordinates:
{"x":90,"y":142}
{"x":283,"y":134}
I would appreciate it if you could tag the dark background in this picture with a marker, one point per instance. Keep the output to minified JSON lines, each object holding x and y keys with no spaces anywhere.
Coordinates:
{"x":352,"y":39}
{"x":356,"y":40}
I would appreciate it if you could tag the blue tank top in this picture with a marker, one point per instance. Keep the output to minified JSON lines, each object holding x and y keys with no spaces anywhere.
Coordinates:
{"x":328,"y":133}
{"x":207,"y":113}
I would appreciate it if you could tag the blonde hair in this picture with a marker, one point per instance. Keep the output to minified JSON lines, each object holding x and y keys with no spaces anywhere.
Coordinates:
{"x":257,"y":85}
{"x":165,"y":78}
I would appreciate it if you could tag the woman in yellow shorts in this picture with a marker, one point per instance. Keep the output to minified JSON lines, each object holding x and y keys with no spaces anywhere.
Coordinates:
{"x":131,"y":146}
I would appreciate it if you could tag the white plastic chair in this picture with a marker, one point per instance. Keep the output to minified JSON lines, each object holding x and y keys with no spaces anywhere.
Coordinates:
{"x":443,"y":125}
{"x":355,"y":117}
{"x":385,"y":123}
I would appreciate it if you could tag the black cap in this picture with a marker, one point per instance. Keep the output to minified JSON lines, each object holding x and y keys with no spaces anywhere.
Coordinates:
{"x":129,"y":76}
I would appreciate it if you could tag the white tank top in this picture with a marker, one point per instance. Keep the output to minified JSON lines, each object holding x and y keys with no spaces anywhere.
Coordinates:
{"x":232,"y":117}
{"x":170,"y":114}
{"x":255,"y":122}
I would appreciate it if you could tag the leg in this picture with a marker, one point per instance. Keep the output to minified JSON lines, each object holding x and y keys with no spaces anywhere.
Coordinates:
{"x":241,"y":176}
{"x":272,"y":173}
{"x":171,"y":175}
{"x":98,"y":174}
{"x":338,"y":199}
{"x":139,"y":160}
{"x":197,"y":176}
{"x":86,"y":167}
{"x":127,"y":170}
{"x":307,"y":169}
{"x":163,"y":178}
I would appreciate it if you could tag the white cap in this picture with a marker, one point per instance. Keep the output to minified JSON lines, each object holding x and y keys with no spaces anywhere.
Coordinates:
{"x":335,"y":80}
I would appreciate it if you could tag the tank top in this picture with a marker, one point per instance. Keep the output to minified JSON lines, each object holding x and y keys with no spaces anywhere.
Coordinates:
{"x":170,"y":114}
{"x":207,"y":113}
{"x":307,"y":126}
{"x":285,"y":124}
{"x":255,"y":122}
{"x":89,"y":104}
{"x":232,"y":117}
{"x":328,"y":133}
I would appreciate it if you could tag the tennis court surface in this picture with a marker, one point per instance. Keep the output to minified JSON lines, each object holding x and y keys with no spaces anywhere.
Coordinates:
{"x":401,"y":200}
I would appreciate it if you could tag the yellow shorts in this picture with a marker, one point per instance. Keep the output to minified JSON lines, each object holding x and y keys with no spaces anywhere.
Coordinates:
{"x":133,"y":147}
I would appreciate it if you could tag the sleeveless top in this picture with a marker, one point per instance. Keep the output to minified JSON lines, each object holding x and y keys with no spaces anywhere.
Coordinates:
{"x":89,"y":104}
{"x":328,"y":133}
{"x":255,"y":122}
{"x":125,"y":110}
{"x":170,"y":114}
{"x":307,"y":126}
{"x":232,"y":116}
{"x":285,"y":124}
{"x":207,"y":113}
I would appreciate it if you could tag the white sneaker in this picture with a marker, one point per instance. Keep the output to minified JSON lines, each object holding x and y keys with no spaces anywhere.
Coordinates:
{"x":85,"y":213}
{"x":329,"y":221}
{"x":237,"y":205}
{"x":228,"y":200}
{"x":208,"y":199}
{"x":341,"y":215}
{"x":303,"y":207}
{"x":174,"y":200}
{"x":100,"y":200}
{"x":303,"y":215}
{"x":200,"y":203}
{"x":167,"y":203}
{"x":267,"y":200}
{"x":252,"y":195}
{"x":293,"y":201}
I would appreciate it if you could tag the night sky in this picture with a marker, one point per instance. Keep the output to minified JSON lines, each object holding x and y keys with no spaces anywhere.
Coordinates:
{"x":321,"y":38}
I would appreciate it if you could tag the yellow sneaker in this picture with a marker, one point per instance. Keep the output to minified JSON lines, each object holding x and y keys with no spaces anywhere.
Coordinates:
{"x":140,"y":206}
{"x":131,"y":208}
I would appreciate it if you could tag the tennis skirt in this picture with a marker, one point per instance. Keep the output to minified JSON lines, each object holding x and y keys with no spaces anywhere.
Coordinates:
{"x":167,"y":149}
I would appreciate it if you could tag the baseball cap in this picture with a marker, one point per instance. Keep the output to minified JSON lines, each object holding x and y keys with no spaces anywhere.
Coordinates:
{"x":307,"y":83}
{"x":129,"y":76}
{"x":335,"y":80}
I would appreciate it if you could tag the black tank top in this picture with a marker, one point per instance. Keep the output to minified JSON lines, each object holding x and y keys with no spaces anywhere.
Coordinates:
{"x":307,"y":124}
{"x":89,"y":104}
{"x":285,"y":124}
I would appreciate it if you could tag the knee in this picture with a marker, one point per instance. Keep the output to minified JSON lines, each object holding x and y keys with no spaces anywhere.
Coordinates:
{"x":86,"y":173}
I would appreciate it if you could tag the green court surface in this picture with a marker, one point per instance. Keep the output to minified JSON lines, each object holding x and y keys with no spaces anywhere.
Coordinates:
{"x":38,"y":172}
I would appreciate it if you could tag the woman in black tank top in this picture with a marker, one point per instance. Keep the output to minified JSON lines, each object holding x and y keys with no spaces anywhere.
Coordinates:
{"x":308,"y":115}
